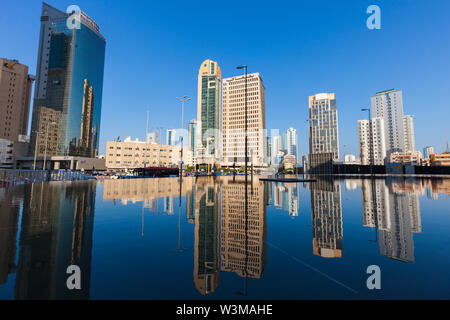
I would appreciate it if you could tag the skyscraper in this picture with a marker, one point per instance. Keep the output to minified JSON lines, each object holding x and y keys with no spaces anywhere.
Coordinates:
{"x":233,"y":120}
{"x":192,"y":132}
{"x":171,"y":137}
{"x":427,"y":151}
{"x":276,"y":149}
{"x":378,"y":141}
{"x":15,"y":94}
{"x":290,"y":142}
{"x":208,"y":111}
{"x":69,"y":84}
{"x":192,"y":141}
{"x":323,"y":125}
{"x":399,"y":129}
{"x":408,"y":127}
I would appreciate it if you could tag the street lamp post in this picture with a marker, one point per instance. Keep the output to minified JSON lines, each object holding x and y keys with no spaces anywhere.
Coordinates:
{"x":182,"y":99}
{"x":245,"y":117}
{"x":35,"y":148}
{"x":46,"y":144}
{"x":371,"y":139}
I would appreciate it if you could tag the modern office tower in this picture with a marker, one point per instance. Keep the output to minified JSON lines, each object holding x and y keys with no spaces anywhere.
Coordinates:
{"x":243,"y":236}
{"x":192,"y":140}
{"x":15,"y":95}
{"x":326,"y":211}
{"x":171,"y":137}
{"x":277,"y":148}
{"x":153,"y":137}
{"x":192,"y":133}
{"x":233,"y":120}
{"x":378,"y":141}
{"x":69,"y":84}
{"x":323,"y":125}
{"x":290,"y":143}
{"x":206,"y":243}
{"x":408,"y":127}
{"x":209,"y":112}
{"x":427,"y":151}
{"x":399,"y":129}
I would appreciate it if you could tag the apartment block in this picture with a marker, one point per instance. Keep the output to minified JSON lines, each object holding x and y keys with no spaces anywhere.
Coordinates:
{"x":15,"y":94}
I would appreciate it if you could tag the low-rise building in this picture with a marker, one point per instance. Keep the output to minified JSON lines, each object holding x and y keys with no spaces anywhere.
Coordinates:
{"x":130,"y":154}
{"x":10,"y":150}
{"x":440,"y":159}
{"x":408,"y":158}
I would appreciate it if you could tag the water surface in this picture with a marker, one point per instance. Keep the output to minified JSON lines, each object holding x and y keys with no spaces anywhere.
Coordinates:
{"x":152,"y":239}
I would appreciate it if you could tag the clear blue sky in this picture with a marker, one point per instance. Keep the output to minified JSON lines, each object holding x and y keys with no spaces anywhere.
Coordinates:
{"x":154,"y":50}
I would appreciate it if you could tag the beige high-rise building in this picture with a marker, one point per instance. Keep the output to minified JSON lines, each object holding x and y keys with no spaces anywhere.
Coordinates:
{"x":233,"y":120}
{"x":15,"y":94}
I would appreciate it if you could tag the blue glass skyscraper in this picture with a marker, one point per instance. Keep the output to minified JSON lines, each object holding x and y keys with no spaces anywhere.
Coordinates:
{"x":69,"y":84}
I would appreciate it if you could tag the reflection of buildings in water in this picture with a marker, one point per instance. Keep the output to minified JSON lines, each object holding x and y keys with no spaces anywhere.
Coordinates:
{"x":291,"y":199}
{"x":9,"y":220}
{"x":56,"y":231}
{"x":352,"y":184}
{"x":278,"y":190}
{"x":206,"y":252}
{"x":168,"y":205}
{"x":436,"y":186}
{"x":286,"y":196}
{"x":243,"y":251}
{"x":395,"y":214}
{"x":147,"y":190}
{"x":326,"y":218}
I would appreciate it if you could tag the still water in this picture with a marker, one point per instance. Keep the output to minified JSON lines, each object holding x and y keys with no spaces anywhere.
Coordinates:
{"x":151,"y":239}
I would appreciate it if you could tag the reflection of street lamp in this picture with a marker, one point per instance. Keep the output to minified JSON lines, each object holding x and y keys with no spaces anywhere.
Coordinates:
{"x":46,"y":144}
{"x":182,"y":99}
{"x":246,"y":180}
{"x":35,"y":148}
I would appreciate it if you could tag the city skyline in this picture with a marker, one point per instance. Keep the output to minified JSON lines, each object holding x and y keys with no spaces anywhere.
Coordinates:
{"x":276,"y":82}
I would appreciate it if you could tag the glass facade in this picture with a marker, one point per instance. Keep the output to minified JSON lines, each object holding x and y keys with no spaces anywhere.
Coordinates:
{"x":72,"y":92}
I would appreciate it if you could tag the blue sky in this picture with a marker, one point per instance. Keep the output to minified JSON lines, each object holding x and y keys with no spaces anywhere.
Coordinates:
{"x":154,"y":50}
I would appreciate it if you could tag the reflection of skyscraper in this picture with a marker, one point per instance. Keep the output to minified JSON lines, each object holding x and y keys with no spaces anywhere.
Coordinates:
{"x":69,"y":74}
{"x":9,"y":219}
{"x":291,"y":199}
{"x":168,"y":205}
{"x":243,"y":251}
{"x":56,"y":231}
{"x":206,"y":262}
{"x":326,"y":218}
{"x":396,"y":215}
